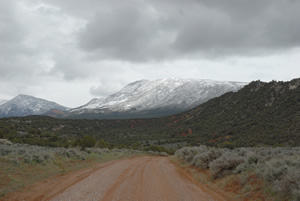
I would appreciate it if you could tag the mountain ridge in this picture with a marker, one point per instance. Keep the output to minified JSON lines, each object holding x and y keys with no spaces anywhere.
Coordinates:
{"x":2,"y":101}
{"x":162,"y":97}
{"x":23,"y":105}
{"x":260,"y":114}
{"x":139,"y":99}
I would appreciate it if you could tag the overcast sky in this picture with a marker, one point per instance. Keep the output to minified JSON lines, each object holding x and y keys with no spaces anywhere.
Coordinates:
{"x":70,"y":51}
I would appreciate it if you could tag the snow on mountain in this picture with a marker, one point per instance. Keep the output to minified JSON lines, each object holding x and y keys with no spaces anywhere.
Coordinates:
{"x":23,"y":105}
{"x":172,"y":93}
{"x":2,"y":102}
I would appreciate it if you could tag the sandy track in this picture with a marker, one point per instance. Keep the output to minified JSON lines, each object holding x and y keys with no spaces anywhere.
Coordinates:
{"x":138,"y":179}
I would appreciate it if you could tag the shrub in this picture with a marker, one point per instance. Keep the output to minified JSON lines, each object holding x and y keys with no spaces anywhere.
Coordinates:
{"x":187,"y":153}
{"x":279,"y":167}
{"x":289,"y":183}
{"x":87,"y":141}
{"x":224,"y":165}
{"x":41,"y":155}
{"x":272,"y":170}
{"x":202,"y":160}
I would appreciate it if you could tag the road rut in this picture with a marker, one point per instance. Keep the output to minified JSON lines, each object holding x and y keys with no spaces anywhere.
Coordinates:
{"x":144,"y":178}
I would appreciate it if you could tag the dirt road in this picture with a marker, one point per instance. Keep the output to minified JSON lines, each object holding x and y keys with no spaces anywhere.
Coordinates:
{"x":138,"y":179}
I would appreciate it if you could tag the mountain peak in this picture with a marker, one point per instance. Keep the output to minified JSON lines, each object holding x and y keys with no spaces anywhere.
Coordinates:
{"x":164,"y":96}
{"x":133,"y":86}
{"x":25,"y":97}
{"x":23,"y":105}
{"x":22,"y":96}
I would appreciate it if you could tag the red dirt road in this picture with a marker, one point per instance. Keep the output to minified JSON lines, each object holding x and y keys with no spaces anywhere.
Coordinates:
{"x":138,"y":179}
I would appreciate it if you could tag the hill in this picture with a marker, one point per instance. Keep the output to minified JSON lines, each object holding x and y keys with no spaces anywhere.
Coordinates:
{"x":23,"y":105}
{"x":140,"y":99}
{"x":157,"y":98}
{"x":260,"y":114}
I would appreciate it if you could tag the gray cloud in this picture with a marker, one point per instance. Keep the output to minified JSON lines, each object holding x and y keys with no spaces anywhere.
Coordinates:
{"x":57,"y":47}
{"x":10,"y":29}
{"x":139,"y":29}
{"x":105,"y":88}
{"x":13,"y":52}
{"x":116,"y":31}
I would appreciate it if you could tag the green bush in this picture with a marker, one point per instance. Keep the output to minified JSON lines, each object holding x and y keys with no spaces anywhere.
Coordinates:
{"x":155,"y":148}
{"x":87,"y":141}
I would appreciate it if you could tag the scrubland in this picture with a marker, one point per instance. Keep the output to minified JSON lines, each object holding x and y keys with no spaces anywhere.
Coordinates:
{"x":22,"y":165}
{"x":277,"y":168}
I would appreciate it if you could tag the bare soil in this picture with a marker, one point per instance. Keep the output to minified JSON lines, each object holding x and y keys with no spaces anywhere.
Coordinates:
{"x":143,"y":178}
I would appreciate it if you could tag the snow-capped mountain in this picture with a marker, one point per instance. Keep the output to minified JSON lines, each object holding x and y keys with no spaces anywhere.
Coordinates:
{"x":2,"y":102}
{"x":23,"y":105}
{"x":161,"y":97}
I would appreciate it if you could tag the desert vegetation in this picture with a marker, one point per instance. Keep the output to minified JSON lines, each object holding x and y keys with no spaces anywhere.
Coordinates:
{"x":260,"y":114}
{"x":278,"y":167}
{"x":22,"y":165}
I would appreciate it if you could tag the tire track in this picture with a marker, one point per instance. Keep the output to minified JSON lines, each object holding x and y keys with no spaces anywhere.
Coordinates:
{"x":143,"y":178}
{"x":126,"y":174}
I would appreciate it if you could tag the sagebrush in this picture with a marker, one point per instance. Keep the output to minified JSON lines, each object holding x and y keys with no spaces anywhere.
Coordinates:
{"x":279,"y":167}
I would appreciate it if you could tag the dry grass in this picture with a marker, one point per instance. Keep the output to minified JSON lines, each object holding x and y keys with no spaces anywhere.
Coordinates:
{"x":23,"y":165}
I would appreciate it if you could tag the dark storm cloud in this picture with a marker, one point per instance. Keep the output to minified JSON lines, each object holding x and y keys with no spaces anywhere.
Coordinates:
{"x":137,"y":30}
{"x":115,"y":31}
{"x":98,"y":46}
{"x":241,"y":25}
{"x":143,"y":30}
